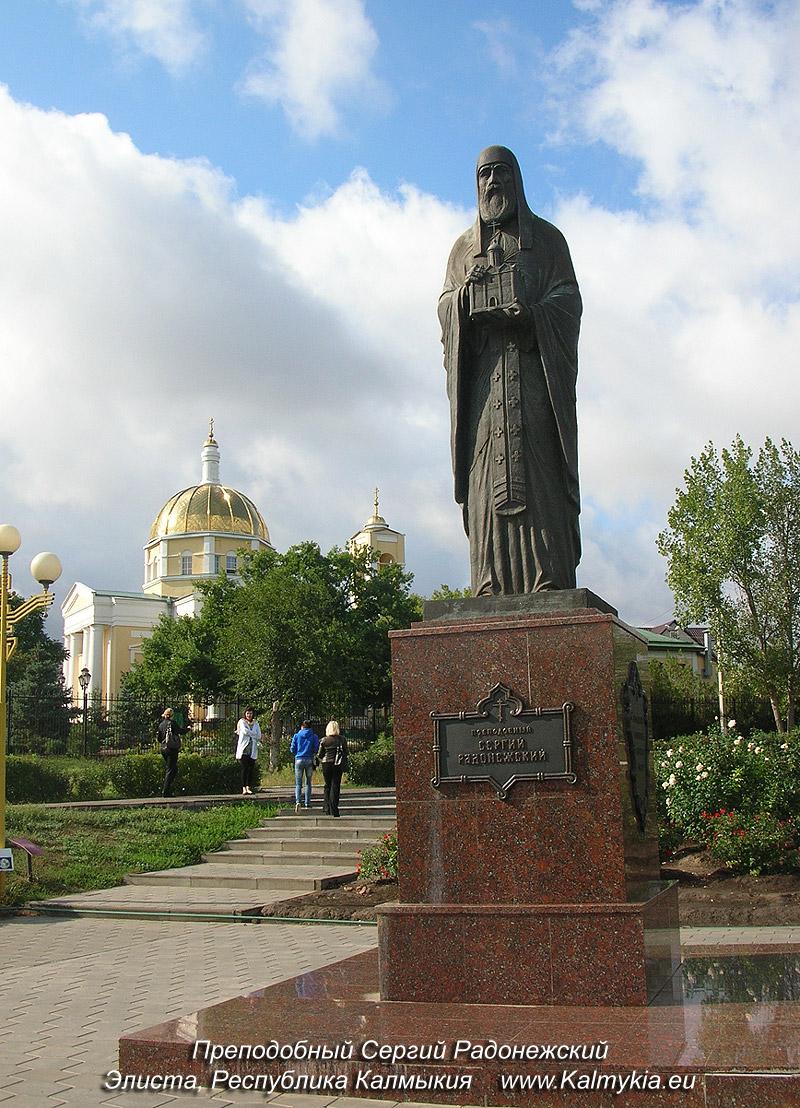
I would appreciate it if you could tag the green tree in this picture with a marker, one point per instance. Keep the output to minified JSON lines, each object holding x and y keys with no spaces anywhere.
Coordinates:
{"x":41,"y":705}
{"x":733,"y":552}
{"x":444,"y":592}
{"x":307,"y":629}
{"x":311,"y":629}
{"x":182,"y":656}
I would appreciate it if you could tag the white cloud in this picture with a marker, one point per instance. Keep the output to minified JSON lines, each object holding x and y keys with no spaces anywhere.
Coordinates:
{"x":691,"y":304}
{"x":163,"y":29}
{"x":318,"y":59}
{"x":138,"y":298}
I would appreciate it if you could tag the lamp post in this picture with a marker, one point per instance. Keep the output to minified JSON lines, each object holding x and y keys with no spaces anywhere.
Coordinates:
{"x":84,"y":677}
{"x":45,"y":568}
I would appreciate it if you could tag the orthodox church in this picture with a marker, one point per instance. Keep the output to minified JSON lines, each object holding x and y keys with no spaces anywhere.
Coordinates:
{"x":195,"y":536}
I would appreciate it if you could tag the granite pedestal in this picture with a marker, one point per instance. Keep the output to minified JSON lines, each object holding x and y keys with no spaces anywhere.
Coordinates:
{"x":548,"y":894}
{"x":529,"y":923}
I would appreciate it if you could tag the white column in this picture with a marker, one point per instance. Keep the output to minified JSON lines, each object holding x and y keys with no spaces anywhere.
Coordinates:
{"x":109,"y":690}
{"x":210,"y":463}
{"x":69,"y":662}
{"x":208,"y":554}
{"x":163,"y":559}
{"x":96,"y":655}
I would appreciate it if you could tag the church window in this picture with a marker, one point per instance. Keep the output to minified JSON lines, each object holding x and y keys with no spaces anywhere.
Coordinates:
{"x":385,"y":559}
{"x":216,"y":562}
{"x":186,"y":563}
{"x":230,"y":563}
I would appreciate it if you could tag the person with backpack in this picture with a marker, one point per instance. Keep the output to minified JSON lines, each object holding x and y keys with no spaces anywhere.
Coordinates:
{"x":304,"y":747}
{"x":333,"y":758}
{"x":169,"y":739}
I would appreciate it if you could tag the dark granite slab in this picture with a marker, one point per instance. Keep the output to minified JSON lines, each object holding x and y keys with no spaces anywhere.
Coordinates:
{"x":535,"y":603}
{"x":743,"y":1053}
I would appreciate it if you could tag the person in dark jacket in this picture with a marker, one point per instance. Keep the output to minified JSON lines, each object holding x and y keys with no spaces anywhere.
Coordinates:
{"x":333,"y":759}
{"x":304,"y":747}
{"x":169,"y":738}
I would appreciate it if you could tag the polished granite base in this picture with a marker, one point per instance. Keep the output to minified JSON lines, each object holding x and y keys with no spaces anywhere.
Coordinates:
{"x":585,"y":954}
{"x":727,"y":1030}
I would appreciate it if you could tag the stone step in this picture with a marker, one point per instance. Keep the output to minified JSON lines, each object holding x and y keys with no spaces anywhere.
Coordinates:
{"x":347,"y":810}
{"x":344,"y":823}
{"x":280,"y":858}
{"x":329,"y":843}
{"x":303,"y":878}
{"x":329,"y":830}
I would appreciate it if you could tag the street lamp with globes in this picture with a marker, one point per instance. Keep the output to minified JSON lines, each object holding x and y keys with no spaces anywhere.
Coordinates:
{"x":45,"y":568}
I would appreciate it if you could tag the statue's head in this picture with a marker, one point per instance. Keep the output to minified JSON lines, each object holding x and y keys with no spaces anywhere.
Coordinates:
{"x":499,"y":185}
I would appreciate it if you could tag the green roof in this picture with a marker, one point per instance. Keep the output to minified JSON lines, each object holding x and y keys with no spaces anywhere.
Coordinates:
{"x":666,"y":642}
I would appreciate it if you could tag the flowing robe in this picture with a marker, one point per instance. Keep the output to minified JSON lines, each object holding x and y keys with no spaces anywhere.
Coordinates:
{"x":514,"y":435}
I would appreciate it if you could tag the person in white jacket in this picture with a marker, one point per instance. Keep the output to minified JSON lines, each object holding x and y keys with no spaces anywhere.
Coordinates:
{"x":249,"y":736}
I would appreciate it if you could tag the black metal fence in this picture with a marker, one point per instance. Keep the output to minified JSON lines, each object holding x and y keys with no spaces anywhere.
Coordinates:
{"x":678,"y":716}
{"x":124,"y":725}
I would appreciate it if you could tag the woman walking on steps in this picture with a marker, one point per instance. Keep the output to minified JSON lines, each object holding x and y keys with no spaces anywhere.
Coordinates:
{"x":169,"y":739}
{"x":333,"y":757}
{"x":249,"y":736}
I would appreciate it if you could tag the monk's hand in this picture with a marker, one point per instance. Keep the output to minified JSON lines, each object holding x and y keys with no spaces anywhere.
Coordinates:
{"x":516,"y":312}
{"x":475,"y":274}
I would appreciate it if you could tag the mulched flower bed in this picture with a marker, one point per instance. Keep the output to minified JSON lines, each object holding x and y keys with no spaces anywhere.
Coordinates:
{"x":716,"y":901}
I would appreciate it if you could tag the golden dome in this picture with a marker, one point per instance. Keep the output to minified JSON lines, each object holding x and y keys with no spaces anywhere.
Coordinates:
{"x":206,"y":508}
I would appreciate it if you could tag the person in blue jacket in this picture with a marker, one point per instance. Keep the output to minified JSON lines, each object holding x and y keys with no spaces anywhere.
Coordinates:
{"x":305,"y":744}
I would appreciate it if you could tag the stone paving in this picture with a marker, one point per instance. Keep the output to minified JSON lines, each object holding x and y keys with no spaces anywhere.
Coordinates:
{"x":70,"y":987}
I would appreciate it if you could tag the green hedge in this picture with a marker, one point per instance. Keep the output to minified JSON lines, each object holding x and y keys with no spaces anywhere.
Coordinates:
{"x":31,"y":779}
{"x":375,"y":765}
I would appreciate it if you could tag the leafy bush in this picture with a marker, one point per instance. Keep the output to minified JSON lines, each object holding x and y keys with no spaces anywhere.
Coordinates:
{"x":132,"y":775}
{"x":708,"y":772}
{"x":752,"y":844}
{"x":379,"y":862}
{"x":31,"y":779}
{"x":90,"y":781}
{"x":375,"y":765}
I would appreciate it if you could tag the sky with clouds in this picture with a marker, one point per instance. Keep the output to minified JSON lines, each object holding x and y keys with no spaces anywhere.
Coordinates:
{"x":243,"y":209}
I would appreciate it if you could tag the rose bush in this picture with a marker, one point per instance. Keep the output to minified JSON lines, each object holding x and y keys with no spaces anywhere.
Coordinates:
{"x":752,"y":844}
{"x":705,"y":772}
{"x":379,"y":862}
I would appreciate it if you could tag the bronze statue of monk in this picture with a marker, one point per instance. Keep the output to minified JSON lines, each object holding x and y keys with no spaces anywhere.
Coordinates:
{"x":510,"y":314}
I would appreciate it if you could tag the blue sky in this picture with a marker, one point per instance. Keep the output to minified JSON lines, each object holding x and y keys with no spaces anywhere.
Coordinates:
{"x":243,"y":208}
{"x":448,"y":81}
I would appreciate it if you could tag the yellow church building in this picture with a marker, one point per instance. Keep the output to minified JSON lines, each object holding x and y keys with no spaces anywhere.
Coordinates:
{"x":196,"y":535}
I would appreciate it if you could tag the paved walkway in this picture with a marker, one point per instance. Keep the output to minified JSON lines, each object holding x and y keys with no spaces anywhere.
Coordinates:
{"x":69,"y":987}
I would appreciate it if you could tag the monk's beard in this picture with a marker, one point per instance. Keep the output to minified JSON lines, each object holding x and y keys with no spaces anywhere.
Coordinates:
{"x":497,"y":207}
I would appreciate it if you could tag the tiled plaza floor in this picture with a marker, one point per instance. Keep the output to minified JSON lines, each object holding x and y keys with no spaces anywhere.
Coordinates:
{"x":69,"y":987}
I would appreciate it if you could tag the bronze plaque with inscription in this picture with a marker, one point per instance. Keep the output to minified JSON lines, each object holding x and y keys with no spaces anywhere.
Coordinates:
{"x":501,"y":742}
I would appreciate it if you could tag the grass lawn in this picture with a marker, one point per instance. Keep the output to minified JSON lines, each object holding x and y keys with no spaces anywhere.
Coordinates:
{"x":94,"y":850}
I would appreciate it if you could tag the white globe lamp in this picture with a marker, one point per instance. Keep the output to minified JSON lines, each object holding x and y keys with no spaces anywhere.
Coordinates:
{"x":46,"y":568}
{"x":10,"y":539}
